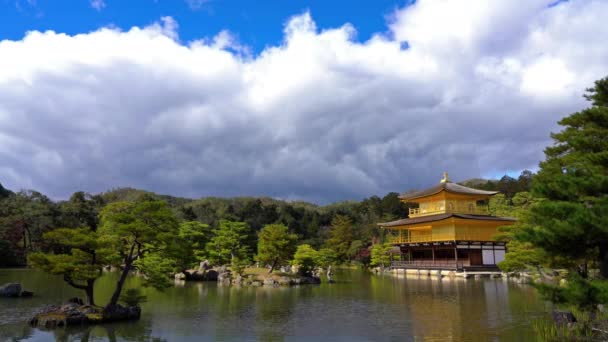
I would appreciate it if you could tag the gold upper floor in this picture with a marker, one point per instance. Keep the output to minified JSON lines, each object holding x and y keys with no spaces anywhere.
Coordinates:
{"x":449,"y":206}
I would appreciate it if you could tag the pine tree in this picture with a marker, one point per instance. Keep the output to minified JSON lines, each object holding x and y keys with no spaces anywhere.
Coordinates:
{"x":572,"y":220}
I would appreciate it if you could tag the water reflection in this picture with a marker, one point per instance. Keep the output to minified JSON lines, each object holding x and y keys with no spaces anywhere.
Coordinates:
{"x":359,"y":307}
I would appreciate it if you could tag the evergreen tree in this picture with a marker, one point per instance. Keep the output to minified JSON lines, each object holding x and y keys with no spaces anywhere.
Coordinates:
{"x":340,"y":236}
{"x":275,"y":245}
{"x":142,"y":232}
{"x":79,"y":257}
{"x":572,"y":221}
{"x":229,"y":242}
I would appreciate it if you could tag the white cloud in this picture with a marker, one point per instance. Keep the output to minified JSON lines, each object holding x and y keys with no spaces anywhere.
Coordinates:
{"x":319,"y":117}
{"x":98,"y":4}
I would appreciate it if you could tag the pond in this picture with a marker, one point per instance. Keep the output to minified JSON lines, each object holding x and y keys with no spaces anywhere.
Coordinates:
{"x":359,"y":307}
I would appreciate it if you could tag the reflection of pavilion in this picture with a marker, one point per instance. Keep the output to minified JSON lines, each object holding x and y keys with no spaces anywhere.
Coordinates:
{"x":450,"y":229}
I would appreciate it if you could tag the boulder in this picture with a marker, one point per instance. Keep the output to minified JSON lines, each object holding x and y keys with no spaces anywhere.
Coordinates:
{"x":285,"y":281}
{"x":121,"y":313}
{"x":27,"y":294}
{"x":269,"y":282}
{"x":180,"y":276}
{"x":10,"y":290}
{"x":256,"y":283}
{"x":211,"y":275}
{"x":563,"y":317}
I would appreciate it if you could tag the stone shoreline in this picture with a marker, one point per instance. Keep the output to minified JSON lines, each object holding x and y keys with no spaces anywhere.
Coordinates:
{"x":75,"y":313}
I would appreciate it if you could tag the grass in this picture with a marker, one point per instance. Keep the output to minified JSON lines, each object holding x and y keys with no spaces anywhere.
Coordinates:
{"x":583,"y":329}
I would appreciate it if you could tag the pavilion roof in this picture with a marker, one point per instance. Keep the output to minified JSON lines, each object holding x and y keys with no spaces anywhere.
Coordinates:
{"x":446,"y":186}
{"x":439,"y":217}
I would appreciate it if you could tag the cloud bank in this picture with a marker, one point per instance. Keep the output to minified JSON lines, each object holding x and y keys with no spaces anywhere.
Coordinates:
{"x":471,"y":88}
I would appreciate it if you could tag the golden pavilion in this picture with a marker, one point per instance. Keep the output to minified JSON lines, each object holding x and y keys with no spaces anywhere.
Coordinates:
{"x":449,"y":227}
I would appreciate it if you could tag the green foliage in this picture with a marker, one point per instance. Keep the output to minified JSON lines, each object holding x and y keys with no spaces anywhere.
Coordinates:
{"x":189,"y":245}
{"x":580,"y":292}
{"x":79,"y":257}
{"x":81,"y":210}
{"x":275,"y":245}
{"x":157,"y":269}
{"x":228,"y":242}
{"x":138,"y":230}
{"x":340,"y":236}
{"x":4,"y":192}
{"x":572,"y":221}
{"x":238,"y":265}
{"x":133,"y":297}
{"x":380,"y":255}
{"x":306,"y":258}
{"x":326,"y":257}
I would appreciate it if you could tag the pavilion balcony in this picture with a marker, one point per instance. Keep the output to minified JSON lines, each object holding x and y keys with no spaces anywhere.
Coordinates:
{"x":461,"y":234}
{"x":476,"y":210}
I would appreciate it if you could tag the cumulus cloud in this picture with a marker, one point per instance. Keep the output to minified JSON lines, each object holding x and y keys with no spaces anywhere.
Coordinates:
{"x":319,"y":117}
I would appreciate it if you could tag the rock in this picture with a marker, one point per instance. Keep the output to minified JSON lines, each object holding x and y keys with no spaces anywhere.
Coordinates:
{"x":211,"y":275}
{"x":285,"y":281}
{"x":310,"y":280}
{"x":121,"y":313}
{"x":256,"y":283}
{"x":75,"y":314}
{"x":238,"y":280}
{"x":180,"y":276}
{"x":27,"y":294}
{"x":563,"y":317}
{"x":10,"y":290}
{"x":204,"y":265}
{"x":268,"y":282}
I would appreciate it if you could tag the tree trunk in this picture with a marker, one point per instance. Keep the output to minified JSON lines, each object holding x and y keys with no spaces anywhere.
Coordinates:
{"x":274,"y":264}
{"x":603,"y":256}
{"x":90,"y":291}
{"x":128,"y":261}
{"x":119,"y":285}
{"x":583,"y":270}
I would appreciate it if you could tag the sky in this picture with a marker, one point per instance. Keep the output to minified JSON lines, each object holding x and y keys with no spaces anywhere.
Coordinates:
{"x":300,"y":100}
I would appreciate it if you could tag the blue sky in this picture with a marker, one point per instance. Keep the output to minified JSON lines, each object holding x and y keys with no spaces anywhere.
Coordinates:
{"x":256,"y":24}
{"x":120,"y":94}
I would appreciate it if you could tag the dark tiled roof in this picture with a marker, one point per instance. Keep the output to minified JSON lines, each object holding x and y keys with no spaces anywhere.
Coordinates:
{"x":439,"y":217}
{"x":449,"y":187}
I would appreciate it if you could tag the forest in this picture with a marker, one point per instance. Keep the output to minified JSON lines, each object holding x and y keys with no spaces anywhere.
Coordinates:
{"x":26,"y":215}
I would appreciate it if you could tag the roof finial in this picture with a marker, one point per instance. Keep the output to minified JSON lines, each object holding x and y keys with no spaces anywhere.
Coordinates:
{"x":445,"y":178}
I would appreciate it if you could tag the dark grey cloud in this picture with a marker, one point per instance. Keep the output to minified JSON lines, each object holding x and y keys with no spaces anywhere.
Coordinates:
{"x":319,"y":118}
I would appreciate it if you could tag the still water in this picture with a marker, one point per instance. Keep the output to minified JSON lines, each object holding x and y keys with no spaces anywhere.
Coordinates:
{"x":359,"y":307}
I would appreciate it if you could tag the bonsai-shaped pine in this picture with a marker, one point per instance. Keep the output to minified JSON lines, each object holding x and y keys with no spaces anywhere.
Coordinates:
{"x":141,"y":234}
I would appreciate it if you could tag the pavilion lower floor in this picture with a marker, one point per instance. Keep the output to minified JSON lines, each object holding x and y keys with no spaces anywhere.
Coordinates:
{"x":449,"y":255}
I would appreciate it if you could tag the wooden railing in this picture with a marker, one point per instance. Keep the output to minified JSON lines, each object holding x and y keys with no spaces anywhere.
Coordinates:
{"x":478,"y":210}
{"x":428,"y":237}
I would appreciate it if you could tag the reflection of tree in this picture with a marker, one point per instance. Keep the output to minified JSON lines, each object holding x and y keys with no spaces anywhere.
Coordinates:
{"x":15,"y":332}
{"x":133,"y":331}
{"x":275,"y":308}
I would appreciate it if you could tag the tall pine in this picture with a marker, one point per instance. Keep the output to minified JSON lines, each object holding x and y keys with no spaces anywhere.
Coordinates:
{"x":572,"y":221}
